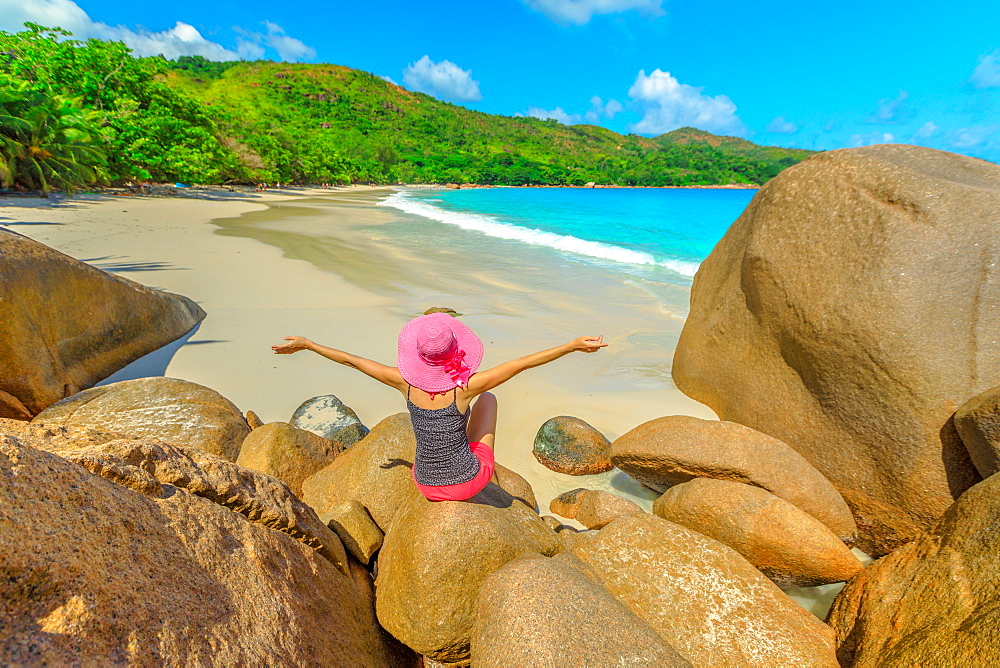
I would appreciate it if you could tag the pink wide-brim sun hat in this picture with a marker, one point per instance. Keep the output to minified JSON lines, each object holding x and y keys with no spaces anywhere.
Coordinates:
{"x":432,"y":344}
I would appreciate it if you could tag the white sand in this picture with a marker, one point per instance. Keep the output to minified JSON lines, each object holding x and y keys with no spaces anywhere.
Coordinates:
{"x":254,"y":296}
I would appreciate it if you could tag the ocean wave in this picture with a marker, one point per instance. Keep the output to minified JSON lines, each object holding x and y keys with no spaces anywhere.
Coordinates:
{"x":570,"y":244}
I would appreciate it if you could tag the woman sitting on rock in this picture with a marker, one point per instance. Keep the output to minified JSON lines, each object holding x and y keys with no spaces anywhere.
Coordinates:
{"x":438,"y":357}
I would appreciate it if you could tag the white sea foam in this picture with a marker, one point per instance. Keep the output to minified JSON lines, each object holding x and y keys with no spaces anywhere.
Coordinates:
{"x":491,"y":226}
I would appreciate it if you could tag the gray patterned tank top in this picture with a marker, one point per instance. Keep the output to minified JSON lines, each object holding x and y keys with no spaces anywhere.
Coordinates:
{"x":443,"y":454}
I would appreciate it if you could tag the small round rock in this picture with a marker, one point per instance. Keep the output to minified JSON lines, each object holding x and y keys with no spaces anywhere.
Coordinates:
{"x":569,"y":445}
{"x":329,"y":417}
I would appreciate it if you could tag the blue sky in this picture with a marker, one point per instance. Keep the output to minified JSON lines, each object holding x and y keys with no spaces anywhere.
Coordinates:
{"x":810,"y":75}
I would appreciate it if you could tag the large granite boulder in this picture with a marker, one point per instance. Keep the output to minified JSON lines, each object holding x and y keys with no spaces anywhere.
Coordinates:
{"x":786,"y":544}
{"x":848,"y":312}
{"x":702,"y":597}
{"x":678,"y":448}
{"x":544,"y":612}
{"x":97,"y":573}
{"x":933,"y":602}
{"x":65,"y":325}
{"x":167,"y":409}
{"x":435,"y":557}
{"x":331,"y":418}
{"x":978,"y":424}
{"x":144,"y":465}
{"x":569,"y":445}
{"x":291,"y":455}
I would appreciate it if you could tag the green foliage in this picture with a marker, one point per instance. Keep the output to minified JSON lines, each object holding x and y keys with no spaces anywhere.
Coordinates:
{"x":200,"y":66}
{"x":201,"y":122}
{"x":48,"y":141}
{"x":148,"y":130}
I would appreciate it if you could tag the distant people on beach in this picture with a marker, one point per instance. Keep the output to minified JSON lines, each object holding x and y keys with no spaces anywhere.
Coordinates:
{"x":453,"y":412}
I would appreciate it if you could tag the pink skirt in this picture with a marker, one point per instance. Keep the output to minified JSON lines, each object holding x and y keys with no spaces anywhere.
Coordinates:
{"x":464,"y":490}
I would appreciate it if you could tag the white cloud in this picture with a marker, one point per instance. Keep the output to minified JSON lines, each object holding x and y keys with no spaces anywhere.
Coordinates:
{"x":599,"y":109}
{"x":389,"y":79}
{"x":249,"y":49}
{"x":987,"y":72}
{"x":971,"y":137}
{"x":579,"y":12}
{"x":782,"y":127}
{"x":557,"y":114}
{"x":445,"y":80}
{"x":926,"y":130}
{"x":252,"y":45}
{"x":288,"y":48}
{"x":49,"y":13}
{"x":667,"y":104}
{"x":890,"y":110}
{"x":871,"y":138}
{"x":181,"y":40}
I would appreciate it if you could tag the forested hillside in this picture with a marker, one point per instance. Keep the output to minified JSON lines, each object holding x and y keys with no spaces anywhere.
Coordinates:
{"x":73,"y":113}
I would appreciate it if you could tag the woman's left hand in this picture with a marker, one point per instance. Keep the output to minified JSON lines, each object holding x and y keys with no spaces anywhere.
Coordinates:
{"x":588,"y":344}
{"x":294,"y":345}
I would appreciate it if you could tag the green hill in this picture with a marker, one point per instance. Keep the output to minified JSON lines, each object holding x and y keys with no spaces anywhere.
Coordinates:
{"x":200,"y":121}
{"x":393,"y":133}
{"x":733,"y":146}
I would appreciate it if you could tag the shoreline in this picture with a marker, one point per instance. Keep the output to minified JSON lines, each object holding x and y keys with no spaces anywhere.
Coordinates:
{"x":194,"y":191}
{"x":596,"y":186}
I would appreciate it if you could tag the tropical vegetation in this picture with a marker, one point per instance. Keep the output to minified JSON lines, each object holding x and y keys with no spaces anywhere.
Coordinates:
{"x":75,"y":112}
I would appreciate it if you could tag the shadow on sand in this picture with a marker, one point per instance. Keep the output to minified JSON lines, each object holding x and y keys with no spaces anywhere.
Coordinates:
{"x":156,"y":362}
{"x":115,"y":264}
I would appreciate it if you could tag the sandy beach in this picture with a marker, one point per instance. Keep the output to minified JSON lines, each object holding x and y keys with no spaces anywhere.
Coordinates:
{"x":323,"y":264}
{"x":258,"y":273}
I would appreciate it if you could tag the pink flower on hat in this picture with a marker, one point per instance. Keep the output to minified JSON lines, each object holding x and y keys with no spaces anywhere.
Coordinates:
{"x":437,"y":353}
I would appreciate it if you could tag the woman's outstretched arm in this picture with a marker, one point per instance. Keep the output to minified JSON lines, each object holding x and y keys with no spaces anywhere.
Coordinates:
{"x":484,"y":381}
{"x":380,"y":372}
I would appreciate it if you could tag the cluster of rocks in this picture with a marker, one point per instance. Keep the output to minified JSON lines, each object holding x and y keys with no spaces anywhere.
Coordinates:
{"x":122,"y":549}
{"x":845,"y":331}
{"x":151,"y":521}
{"x":851,"y":313}
{"x":450,"y":579}
{"x":742,"y":488}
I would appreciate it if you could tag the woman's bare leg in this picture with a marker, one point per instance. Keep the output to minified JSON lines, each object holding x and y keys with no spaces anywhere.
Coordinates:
{"x":483,"y":420}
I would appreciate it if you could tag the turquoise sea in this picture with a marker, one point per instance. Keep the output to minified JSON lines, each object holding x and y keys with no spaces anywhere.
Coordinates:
{"x":665,"y":231}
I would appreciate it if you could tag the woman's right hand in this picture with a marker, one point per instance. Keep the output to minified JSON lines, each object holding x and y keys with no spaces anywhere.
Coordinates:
{"x":588,"y":344}
{"x":294,"y":345}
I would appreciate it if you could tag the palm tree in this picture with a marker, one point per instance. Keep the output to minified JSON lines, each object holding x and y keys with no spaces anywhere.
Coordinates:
{"x":48,"y":141}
